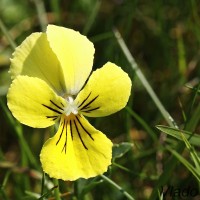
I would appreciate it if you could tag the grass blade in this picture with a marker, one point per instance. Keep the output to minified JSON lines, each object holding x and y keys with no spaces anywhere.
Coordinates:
{"x":192,"y":153}
{"x":187,"y":137}
{"x":19,"y":132}
{"x":92,"y":17}
{"x":41,"y":14}
{"x":143,"y":79}
{"x":186,"y":163}
{"x":7,"y":35}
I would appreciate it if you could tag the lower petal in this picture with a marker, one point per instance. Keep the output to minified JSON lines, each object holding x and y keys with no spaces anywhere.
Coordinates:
{"x":77,"y":150}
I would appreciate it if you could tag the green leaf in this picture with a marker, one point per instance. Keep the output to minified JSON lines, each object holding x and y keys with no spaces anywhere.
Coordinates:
{"x":83,"y":186}
{"x":120,"y":149}
{"x":193,"y":138}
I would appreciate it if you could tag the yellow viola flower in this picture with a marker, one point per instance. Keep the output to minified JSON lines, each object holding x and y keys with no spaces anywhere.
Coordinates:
{"x":50,"y":72}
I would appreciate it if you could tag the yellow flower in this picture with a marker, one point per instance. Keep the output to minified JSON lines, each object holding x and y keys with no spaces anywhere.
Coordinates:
{"x":50,"y":72}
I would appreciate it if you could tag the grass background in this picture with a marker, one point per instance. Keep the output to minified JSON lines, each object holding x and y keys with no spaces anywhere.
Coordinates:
{"x":164,"y":39}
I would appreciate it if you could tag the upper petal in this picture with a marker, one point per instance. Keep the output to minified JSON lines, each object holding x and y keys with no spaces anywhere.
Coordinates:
{"x":107,"y":91}
{"x":77,"y":150}
{"x":75,"y":53}
{"x":35,"y":58}
{"x":33,"y":102}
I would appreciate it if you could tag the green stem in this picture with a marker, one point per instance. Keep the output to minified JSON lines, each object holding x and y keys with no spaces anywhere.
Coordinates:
{"x":42,"y":184}
{"x":143,"y":79}
{"x":56,"y":190}
{"x":117,"y":187}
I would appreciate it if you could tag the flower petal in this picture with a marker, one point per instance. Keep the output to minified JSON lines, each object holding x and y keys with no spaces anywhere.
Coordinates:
{"x":106,"y":92}
{"x":77,"y":150}
{"x":75,"y":53}
{"x":33,"y":102}
{"x":35,"y":58}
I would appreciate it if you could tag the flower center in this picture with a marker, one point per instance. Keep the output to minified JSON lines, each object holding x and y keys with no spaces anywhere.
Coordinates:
{"x":71,"y":106}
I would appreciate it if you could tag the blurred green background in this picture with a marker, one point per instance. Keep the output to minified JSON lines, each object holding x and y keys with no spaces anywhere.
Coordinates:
{"x":164,"y":39}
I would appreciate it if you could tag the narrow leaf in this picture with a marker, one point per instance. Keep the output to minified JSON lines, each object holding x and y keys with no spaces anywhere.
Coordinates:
{"x":193,"y":138}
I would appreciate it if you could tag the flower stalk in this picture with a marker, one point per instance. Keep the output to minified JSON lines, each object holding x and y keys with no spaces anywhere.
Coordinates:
{"x":117,"y":187}
{"x":56,"y":190}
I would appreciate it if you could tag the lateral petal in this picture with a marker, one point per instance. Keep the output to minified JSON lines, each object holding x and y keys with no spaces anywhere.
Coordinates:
{"x":75,"y":53}
{"x":107,"y":91}
{"x":35,"y":58}
{"x":33,"y":102}
{"x":77,"y":150}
